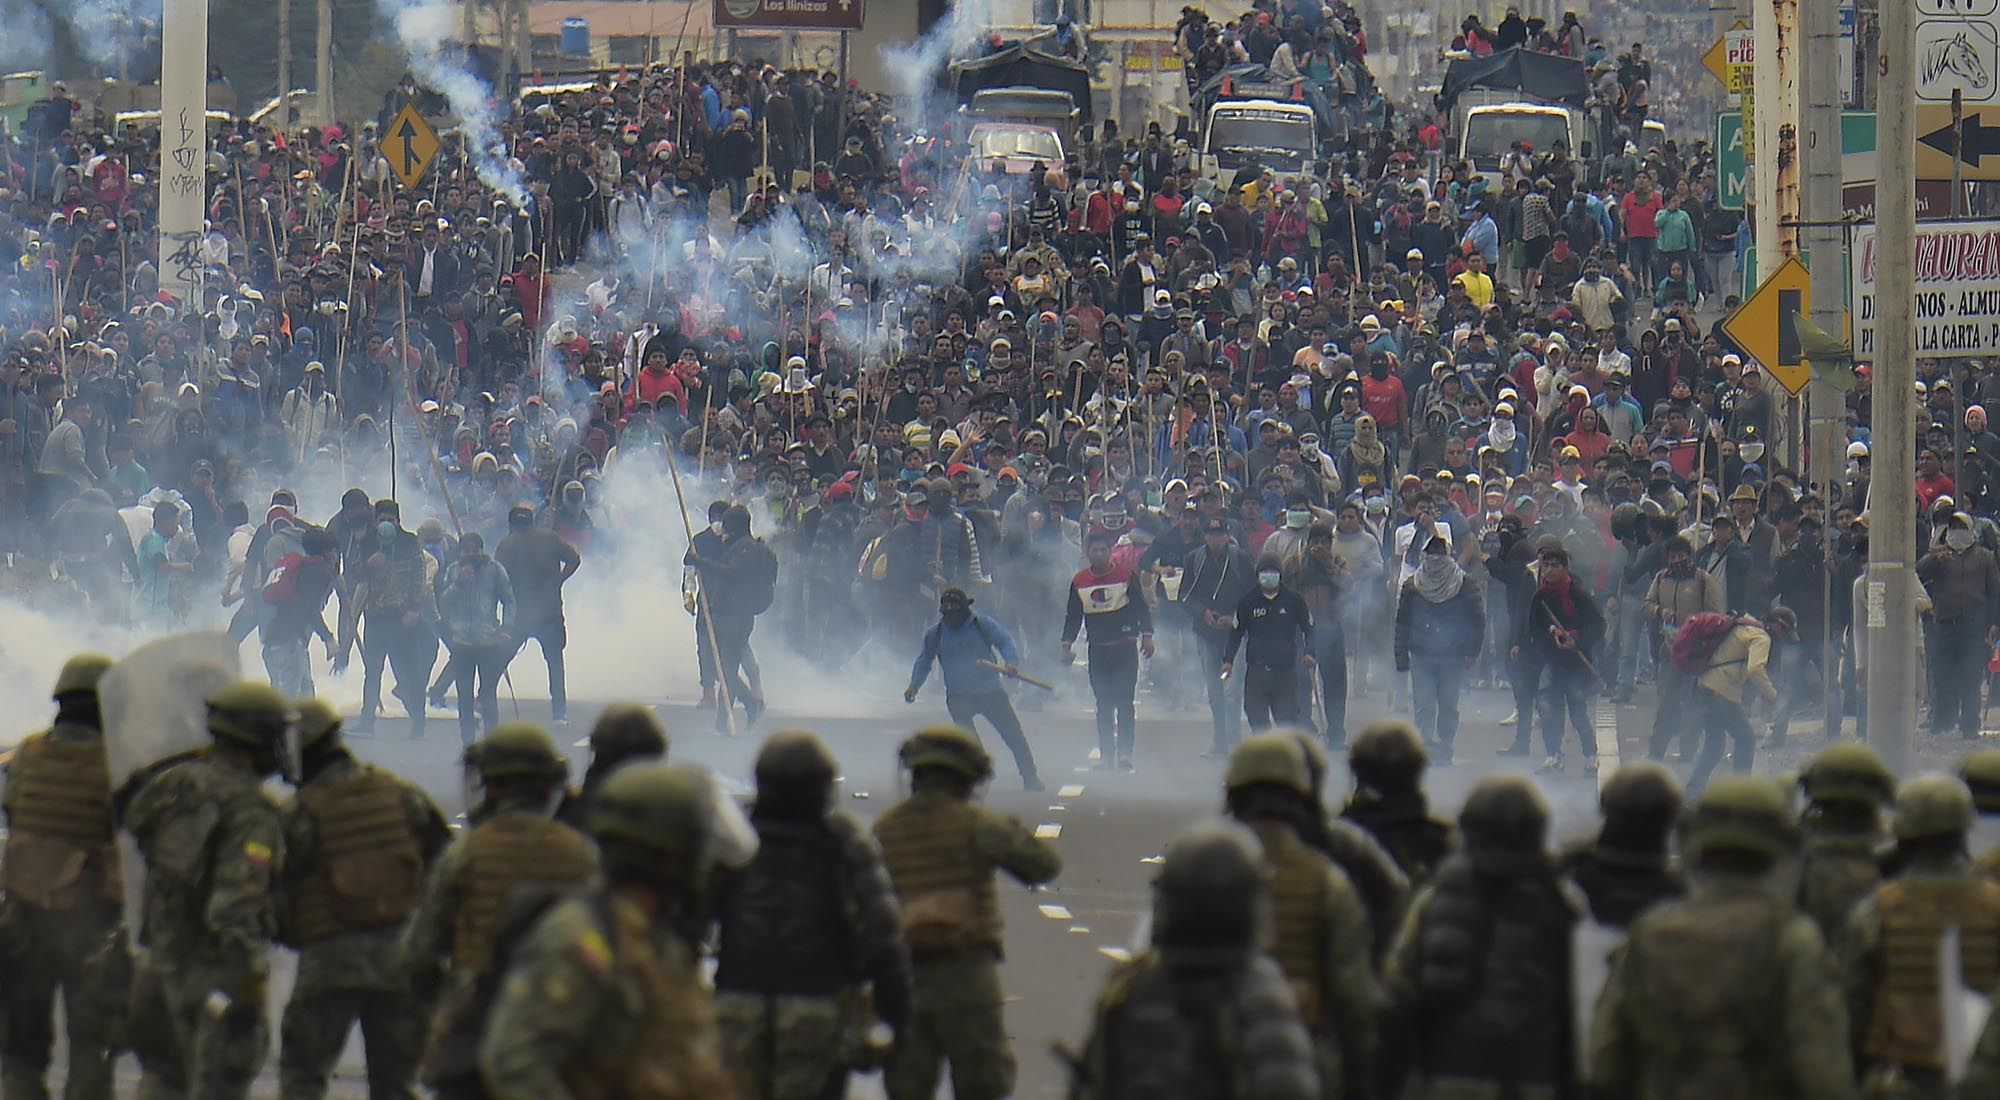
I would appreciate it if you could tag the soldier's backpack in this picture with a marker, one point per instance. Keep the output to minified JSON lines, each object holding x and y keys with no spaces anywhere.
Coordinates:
{"x":1697,"y":640}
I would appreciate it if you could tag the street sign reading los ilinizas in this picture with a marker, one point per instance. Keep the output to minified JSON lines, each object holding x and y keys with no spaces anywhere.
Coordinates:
{"x":811,"y":15}
{"x":1957,"y":286}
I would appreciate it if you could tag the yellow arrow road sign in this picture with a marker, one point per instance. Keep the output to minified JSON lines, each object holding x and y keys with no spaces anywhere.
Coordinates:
{"x":410,"y":143}
{"x":1766,"y":327}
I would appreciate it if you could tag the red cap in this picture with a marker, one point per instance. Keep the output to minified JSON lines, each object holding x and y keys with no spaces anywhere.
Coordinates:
{"x":958,"y":468}
{"x":840,"y":490}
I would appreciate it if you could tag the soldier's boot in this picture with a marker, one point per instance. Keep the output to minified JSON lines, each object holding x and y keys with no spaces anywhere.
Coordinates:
{"x":20,"y":1080}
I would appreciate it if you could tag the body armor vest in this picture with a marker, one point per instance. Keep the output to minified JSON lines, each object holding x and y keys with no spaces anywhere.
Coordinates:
{"x":1905,"y":1027}
{"x":500,"y":854}
{"x":678,"y":1052}
{"x":1714,"y":1022}
{"x":944,"y":882}
{"x":1298,"y":921}
{"x":60,"y":851}
{"x":367,"y":866}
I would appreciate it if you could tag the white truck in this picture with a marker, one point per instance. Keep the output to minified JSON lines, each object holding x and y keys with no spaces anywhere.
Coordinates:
{"x":1489,"y":122}
{"x":1255,"y":134}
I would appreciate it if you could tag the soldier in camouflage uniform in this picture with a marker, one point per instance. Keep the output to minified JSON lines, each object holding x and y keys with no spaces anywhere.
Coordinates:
{"x":1479,"y":980}
{"x":1627,"y":868}
{"x":1889,"y":954}
{"x":1320,"y":936}
{"x":214,"y":845}
{"x":1387,"y":762}
{"x":516,"y":849}
{"x":602,"y":998}
{"x":1205,"y":1013}
{"x":624,"y":732}
{"x":1728,"y":993}
{"x":810,"y":935}
{"x":1384,"y":889}
{"x":64,"y":893}
{"x":1846,"y":787}
{"x":942,"y":850}
{"x":357,"y":843}
{"x":1981,"y":772}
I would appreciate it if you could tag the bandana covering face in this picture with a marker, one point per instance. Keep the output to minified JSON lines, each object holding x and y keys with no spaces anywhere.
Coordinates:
{"x":1438,"y":578}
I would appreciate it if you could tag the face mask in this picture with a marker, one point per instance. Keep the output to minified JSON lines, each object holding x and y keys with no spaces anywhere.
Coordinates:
{"x":1274,"y":501}
{"x":1310,"y":450}
{"x":1435,"y":565}
{"x":957,"y":616}
{"x":386,"y":530}
{"x":1267,"y":580}
{"x":1504,"y":433}
{"x":1958,"y":539}
{"x":1298,"y":519}
{"x":715,"y":528}
{"x":1378,"y":371}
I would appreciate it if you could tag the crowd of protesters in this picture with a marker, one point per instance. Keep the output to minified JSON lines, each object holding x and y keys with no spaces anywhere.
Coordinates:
{"x":1499,"y":396}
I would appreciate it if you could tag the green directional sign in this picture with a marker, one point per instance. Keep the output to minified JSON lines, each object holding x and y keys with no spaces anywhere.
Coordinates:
{"x":1732,"y":169}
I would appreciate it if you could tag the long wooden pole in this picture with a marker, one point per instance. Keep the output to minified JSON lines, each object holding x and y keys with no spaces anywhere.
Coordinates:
{"x":701,"y":594}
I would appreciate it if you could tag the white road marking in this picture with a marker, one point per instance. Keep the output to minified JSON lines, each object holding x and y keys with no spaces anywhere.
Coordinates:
{"x":1047,"y":830}
{"x":1074,"y":790}
{"x":1054,"y":912}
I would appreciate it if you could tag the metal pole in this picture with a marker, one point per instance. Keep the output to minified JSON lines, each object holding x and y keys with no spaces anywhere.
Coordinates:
{"x":323,"y":64}
{"x":183,"y":148}
{"x":1821,"y":236}
{"x":1957,"y":151}
{"x":284,"y":65}
{"x":1889,"y":614}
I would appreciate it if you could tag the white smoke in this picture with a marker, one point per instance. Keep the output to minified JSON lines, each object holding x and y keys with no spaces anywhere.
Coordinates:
{"x":425,"y":32}
{"x":913,"y":67}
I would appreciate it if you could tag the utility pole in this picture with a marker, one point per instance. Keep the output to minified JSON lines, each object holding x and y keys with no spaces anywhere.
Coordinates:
{"x":183,"y":147}
{"x":1888,"y":610}
{"x":284,"y":66}
{"x":1824,"y":239}
{"x":323,"y":64}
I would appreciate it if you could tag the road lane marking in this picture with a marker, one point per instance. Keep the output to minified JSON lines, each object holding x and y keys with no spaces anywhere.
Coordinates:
{"x":1047,"y":830}
{"x":1054,"y":912}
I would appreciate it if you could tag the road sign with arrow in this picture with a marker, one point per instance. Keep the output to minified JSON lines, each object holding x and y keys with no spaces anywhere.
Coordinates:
{"x":410,"y":144}
{"x":1766,"y":326}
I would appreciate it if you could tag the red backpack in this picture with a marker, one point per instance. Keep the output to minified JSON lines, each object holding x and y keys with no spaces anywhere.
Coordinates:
{"x":281,"y":589}
{"x":1698,"y":638}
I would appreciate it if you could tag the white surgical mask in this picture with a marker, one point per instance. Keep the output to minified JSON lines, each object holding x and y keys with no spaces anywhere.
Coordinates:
{"x":1267,"y":579}
{"x":1298,"y":518}
{"x":1958,"y":539}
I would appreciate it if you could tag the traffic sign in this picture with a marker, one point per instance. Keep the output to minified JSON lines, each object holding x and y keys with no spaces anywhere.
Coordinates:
{"x":410,"y":143}
{"x":1766,"y":326}
{"x":1716,"y":60}
{"x":1981,"y":157}
{"x":1732,"y":162}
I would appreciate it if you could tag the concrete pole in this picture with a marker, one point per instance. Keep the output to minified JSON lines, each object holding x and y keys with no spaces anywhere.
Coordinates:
{"x":183,"y":146}
{"x":1819,"y":148}
{"x":1775,"y":79}
{"x":1888,"y":611}
{"x":284,"y":65}
{"x":323,"y":64}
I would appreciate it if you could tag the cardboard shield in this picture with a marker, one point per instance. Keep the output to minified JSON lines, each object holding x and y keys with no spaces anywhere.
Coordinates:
{"x":155,"y":705}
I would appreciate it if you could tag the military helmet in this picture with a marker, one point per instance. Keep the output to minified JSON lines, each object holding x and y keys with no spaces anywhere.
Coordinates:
{"x":1981,"y":772}
{"x":1209,"y":890}
{"x":1643,"y":790}
{"x":317,"y":722}
{"x":518,"y":750}
{"x":1269,"y":758}
{"x":1316,"y":760}
{"x":1504,"y":811}
{"x":80,"y":674}
{"x":794,"y":757}
{"x":947,"y":747}
{"x":1387,"y":754}
{"x":1741,"y":813}
{"x":249,"y":712}
{"x":1933,"y":805}
{"x":1848,"y":772}
{"x":628,"y":729}
{"x":654,"y":804}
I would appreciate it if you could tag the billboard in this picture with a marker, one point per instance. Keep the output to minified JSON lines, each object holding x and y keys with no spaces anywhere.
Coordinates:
{"x":791,"y":15}
{"x":1957,"y":286}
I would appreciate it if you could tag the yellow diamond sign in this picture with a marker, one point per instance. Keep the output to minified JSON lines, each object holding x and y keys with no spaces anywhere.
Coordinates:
{"x":411,"y":144}
{"x":1766,"y":326}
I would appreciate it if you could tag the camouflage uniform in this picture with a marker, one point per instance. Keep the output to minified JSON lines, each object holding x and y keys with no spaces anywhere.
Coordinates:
{"x":1846,"y":787}
{"x":1387,"y":762}
{"x":1320,"y":935}
{"x":64,"y":895}
{"x":1889,"y":955}
{"x":810,"y":937}
{"x":1479,"y":979}
{"x":448,"y":943}
{"x":941,"y":851}
{"x":1672,"y":1024}
{"x":1384,"y":888}
{"x":356,"y":842}
{"x":602,"y":997}
{"x":1981,"y":772}
{"x":1203,"y":1014}
{"x":214,"y":845}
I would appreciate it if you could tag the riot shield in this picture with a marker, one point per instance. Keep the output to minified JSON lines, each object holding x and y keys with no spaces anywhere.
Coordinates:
{"x":155,"y":705}
{"x":1964,"y":1010}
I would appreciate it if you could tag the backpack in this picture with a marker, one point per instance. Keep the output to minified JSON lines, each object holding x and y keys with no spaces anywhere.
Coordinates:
{"x":281,"y":589}
{"x":761,"y":582}
{"x":1697,"y":640}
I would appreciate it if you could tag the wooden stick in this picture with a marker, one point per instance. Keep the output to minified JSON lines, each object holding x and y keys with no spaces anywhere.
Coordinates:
{"x":701,"y":594}
{"x":1016,"y":674}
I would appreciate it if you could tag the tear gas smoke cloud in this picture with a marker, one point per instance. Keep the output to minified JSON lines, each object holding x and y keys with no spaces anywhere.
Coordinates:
{"x":424,"y":31}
